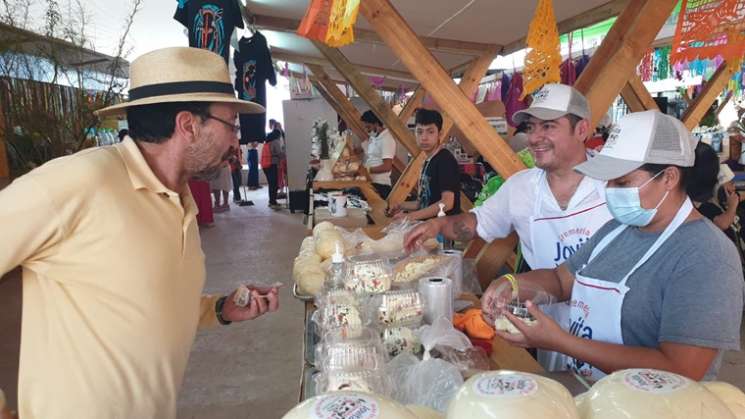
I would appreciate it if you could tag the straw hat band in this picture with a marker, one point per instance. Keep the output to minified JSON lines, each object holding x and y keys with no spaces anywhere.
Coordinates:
{"x":180,"y":87}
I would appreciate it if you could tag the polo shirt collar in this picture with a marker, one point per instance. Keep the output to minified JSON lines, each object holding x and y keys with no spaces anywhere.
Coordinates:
{"x":140,"y":173}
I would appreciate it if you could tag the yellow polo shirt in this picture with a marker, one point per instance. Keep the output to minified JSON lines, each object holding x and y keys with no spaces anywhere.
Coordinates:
{"x":113,"y":272}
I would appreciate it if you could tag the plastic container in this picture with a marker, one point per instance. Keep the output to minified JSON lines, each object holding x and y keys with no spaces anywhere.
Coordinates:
{"x":506,"y":299}
{"x":401,"y":339}
{"x":368,"y":274}
{"x":341,"y":351}
{"x":397,"y":308}
{"x":367,"y":381}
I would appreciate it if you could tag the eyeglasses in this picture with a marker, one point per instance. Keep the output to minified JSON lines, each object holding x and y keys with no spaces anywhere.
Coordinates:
{"x":236,"y":128}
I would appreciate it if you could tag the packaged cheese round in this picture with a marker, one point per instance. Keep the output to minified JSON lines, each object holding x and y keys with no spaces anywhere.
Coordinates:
{"x":732,"y":396}
{"x":423,"y":412}
{"x":327,"y":242}
{"x":650,"y":394}
{"x":508,"y":394}
{"x":324,"y":225}
{"x":349,"y":404}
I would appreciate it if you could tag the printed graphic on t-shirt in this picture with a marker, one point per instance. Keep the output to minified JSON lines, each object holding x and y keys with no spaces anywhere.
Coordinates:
{"x":249,"y":80}
{"x":425,"y":193}
{"x":209,"y":29}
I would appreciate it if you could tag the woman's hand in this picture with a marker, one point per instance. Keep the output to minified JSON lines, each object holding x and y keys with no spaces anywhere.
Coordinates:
{"x":545,"y":333}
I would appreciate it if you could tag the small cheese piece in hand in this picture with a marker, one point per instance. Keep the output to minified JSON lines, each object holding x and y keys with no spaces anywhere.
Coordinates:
{"x":242,"y":296}
{"x":503,"y":324}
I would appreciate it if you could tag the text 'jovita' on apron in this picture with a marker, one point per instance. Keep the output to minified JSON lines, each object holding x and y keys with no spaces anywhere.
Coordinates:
{"x":596,"y":304}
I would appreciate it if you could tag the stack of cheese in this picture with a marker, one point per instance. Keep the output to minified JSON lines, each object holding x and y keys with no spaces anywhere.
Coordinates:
{"x":654,"y":394}
{"x":307,"y":269}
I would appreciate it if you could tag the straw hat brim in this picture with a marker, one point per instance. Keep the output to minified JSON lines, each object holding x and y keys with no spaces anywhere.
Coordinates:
{"x":243,"y":105}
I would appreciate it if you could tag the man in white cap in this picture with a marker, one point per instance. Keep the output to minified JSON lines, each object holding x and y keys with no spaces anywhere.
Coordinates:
{"x":657,"y":287}
{"x":554,"y":209}
{"x":113,"y":268}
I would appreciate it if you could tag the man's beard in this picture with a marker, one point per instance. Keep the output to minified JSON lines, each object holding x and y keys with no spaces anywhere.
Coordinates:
{"x":208,"y":174}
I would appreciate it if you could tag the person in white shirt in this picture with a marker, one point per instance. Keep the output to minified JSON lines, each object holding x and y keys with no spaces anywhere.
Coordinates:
{"x":380,"y":149}
{"x":553,"y":209}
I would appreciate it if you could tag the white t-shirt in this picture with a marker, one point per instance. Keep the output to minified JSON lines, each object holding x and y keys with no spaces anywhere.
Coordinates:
{"x":383,"y":146}
{"x":512,"y":207}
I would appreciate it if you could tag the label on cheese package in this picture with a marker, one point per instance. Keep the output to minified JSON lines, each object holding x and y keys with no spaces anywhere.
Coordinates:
{"x":502,"y":385}
{"x":652,"y":381}
{"x":346,"y":406}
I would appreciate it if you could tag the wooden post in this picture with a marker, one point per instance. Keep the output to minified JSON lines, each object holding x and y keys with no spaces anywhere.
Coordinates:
{"x":396,"y":33}
{"x":414,"y":102}
{"x":698,"y":108}
{"x":724,"y":103}
{"x":468,"y":84}
{"x":615,"y":61}
{"x":367,"y":92}
{"x":637,"y":97}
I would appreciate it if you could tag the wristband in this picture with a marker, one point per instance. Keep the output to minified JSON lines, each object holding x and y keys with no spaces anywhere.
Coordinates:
{"x":218,"y":311}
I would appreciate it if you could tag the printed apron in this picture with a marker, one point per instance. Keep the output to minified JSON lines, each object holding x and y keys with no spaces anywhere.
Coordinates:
{"x":596,"y":304}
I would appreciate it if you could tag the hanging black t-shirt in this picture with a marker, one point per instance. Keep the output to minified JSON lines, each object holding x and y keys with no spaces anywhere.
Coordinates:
{"x":440,"y":173}
{"x":210,"y":23}
{"x":253,"y":67}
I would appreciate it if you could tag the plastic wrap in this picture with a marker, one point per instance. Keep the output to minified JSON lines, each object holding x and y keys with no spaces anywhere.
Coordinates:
{"x":349,"y":404}
{"x":431,"y":382}
{"x":368,"y":274}
{"x":650,"y":394}
{"x":468,"y":362}
{"x":730,"y":395}
{"x":368,"y":381}
{"x":396,"y":308}
{"x":508,"y":394}
{"x":334,"y":316}
{"x":415,"y":267}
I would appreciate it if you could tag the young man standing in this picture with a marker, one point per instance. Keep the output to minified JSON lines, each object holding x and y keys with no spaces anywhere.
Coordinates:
{"x":380,"y":149}
{"x":439,"y":182}
{"x":113,"y":269}
{"x":553,"y":208}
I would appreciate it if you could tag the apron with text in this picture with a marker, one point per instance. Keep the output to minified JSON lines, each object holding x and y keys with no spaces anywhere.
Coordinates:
{"x":554,"y":239}
{"x":596,"y":304}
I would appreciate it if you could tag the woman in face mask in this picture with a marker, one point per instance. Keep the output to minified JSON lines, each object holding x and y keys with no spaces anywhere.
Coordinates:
{"x":659,"y":286}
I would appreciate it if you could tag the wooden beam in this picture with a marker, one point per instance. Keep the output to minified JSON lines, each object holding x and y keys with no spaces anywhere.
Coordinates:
{"x":412,"y":104}
{"x":409,"y":178}
{"x":341,"y":104}
{"x":615,"y":61}
{"x":367,"y":92}
{"x":279,"y":54}
{"x":637,"y":97}
{"x":714,"y":87}
{"x":366,"y":36}
{"x":583,"y":20}
{"x":403,"y":41}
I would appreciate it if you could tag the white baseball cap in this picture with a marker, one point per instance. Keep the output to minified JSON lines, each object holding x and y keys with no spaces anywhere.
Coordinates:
{"x":552,"y":101}
{"x":640,"y":138}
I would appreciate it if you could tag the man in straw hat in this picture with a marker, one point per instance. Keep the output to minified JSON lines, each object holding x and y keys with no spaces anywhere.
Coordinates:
{"x":113,"y":268}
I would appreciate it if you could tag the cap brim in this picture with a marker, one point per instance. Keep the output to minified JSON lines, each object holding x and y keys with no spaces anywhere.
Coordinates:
{"x":243,"y":105}
{"x":543,"y":114}
{"x":606,"y":168}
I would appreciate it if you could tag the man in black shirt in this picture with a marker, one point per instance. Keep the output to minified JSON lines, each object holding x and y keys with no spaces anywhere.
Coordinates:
{"x":440,"y":178}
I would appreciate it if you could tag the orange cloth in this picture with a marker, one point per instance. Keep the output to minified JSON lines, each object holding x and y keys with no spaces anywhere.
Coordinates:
{"x":472,"y":323}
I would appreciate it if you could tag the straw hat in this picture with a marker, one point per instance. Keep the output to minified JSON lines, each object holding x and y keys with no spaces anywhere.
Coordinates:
{"x":180,"y":74}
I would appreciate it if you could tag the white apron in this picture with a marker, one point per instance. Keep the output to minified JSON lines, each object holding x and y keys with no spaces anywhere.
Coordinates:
{"x":554,"y":239}
{"x":596,"y":304}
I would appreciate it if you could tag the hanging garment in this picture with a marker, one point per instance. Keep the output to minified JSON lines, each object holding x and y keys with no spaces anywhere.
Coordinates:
{"x":513,"y":103}
{"x":253,"y":67}
{"x":210,"y":23}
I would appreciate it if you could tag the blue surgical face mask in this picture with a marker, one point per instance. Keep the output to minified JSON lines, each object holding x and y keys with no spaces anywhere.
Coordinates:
{"x":625,"y":205}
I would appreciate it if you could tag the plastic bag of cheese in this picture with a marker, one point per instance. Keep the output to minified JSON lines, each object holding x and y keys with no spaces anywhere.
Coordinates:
{"x":349,"y":404}
{"x":732,"y":396}
{"x":508,"y":394}
{"x":423,"y":412}
{"x":650,"y":394}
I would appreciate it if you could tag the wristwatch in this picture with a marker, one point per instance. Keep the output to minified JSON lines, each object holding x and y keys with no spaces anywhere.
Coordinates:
{"x":218,"y":311}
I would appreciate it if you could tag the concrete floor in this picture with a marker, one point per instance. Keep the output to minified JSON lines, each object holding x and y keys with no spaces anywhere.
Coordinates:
{"x":249,"y":370}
